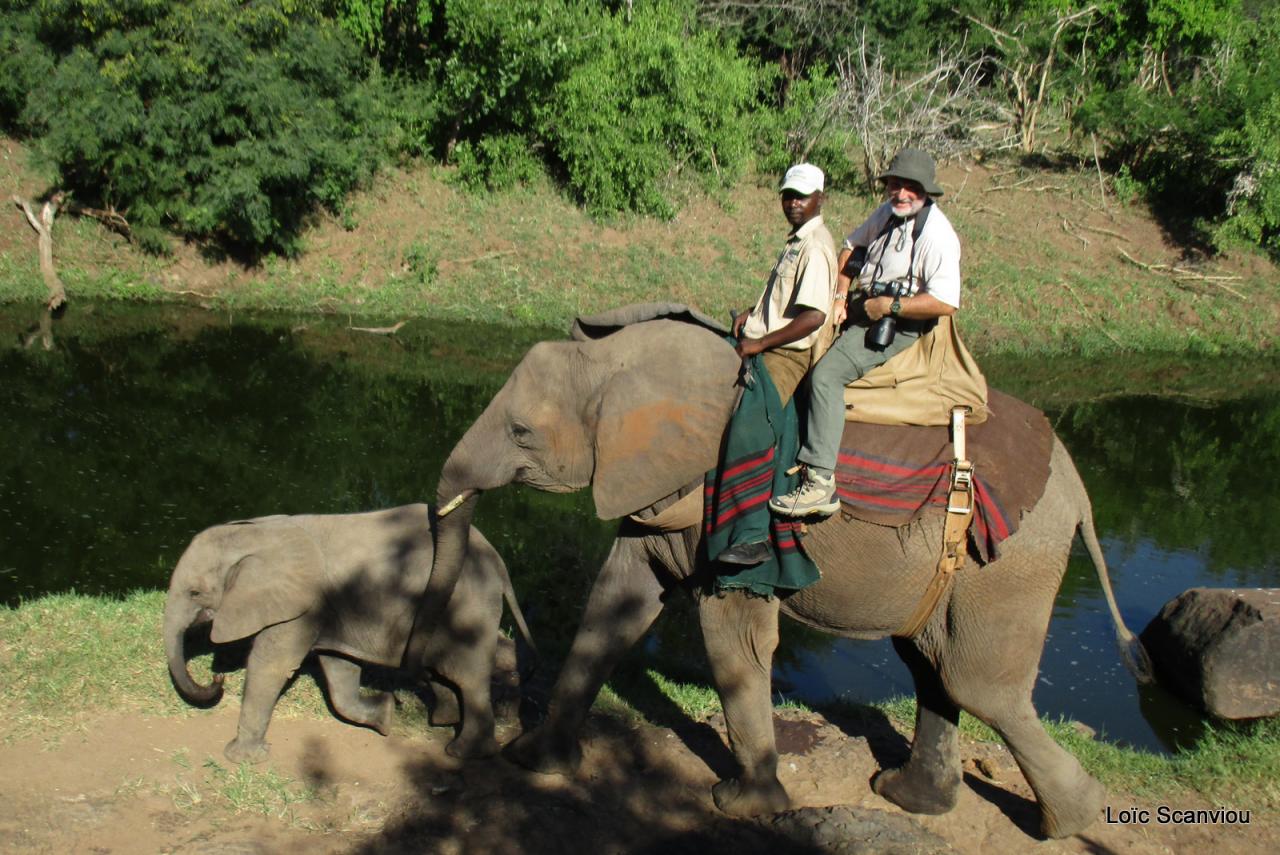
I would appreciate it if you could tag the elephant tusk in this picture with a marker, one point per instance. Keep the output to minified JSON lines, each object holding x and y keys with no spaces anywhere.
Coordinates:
{"x":453,"y":503}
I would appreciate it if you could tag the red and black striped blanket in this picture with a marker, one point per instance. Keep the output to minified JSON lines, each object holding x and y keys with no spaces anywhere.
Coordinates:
{"x":892,"y":475}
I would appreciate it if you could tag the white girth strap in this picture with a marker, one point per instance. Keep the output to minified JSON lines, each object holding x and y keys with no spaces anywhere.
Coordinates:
{"x":955,"y":531}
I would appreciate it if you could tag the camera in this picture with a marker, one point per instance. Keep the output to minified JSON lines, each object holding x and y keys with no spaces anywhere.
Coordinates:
{"x":881,"y":335}
{"x":853,"y":264}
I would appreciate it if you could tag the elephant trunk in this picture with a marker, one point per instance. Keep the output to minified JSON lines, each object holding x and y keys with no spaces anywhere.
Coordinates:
{"x":451,"y":533}
{"x":177,"y":618}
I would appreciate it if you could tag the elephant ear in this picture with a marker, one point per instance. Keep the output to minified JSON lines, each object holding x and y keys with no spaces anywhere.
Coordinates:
{"x":265,"y":588}
{"x":651,"y":439}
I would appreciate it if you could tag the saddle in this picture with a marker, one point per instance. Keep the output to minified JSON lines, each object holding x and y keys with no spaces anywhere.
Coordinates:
{"x":893,"y":474}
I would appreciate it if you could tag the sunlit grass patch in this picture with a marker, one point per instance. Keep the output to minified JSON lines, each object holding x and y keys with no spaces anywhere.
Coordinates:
{"x":68,"y":657}
{"x":238,"y":788}
{"x":262,"y":791}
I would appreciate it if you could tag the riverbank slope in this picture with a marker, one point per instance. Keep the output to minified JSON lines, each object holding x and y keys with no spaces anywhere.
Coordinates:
{"x":1055,"y":262}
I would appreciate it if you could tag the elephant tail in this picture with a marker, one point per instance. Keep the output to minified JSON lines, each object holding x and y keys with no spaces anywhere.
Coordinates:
{"x":509,"y":594}
{"x":1132,"y":651}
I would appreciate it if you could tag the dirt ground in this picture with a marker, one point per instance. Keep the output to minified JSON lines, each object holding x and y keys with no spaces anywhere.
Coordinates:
{"x":131,"y":784}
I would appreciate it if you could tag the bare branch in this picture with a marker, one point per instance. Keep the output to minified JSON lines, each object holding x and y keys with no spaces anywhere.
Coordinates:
{"x":1026,"y":71}
{"x":1091,"y":315}
{"x":1183,"y":274}
{"x":111,"y":218}
{"x":936,"y":109}
{"x":391,"y":330}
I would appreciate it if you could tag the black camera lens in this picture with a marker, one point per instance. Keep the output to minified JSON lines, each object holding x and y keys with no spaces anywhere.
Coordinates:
{"x":881,"y":334}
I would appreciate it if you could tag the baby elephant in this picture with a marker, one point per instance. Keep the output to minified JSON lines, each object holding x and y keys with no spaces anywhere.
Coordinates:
{"x":347,"y":586}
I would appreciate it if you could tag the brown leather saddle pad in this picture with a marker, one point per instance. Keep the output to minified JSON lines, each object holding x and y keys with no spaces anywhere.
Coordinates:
{"x":893,"y":474}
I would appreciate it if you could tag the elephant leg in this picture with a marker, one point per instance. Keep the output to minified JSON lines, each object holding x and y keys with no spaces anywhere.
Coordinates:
{"x":624,"y":602}
{"x":741,"y":634}
{"x":276,"y":654}
{"x":990,"y":671}
{"x":469,"y":670}
{"x":1070,"y":798}
{"x":445,"y":710}
{"x":930,"y":780}
{"x":343,"y":677}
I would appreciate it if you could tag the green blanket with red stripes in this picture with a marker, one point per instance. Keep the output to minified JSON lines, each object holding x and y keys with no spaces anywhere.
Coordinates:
{"x":759,"y":447}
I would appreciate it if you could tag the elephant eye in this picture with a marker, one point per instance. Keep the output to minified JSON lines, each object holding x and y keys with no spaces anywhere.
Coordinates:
{"x":521,"y":433}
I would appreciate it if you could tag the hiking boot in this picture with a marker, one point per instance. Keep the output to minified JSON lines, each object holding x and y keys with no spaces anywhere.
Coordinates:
{"x":816,"y":494}
{"x":746,"y":553}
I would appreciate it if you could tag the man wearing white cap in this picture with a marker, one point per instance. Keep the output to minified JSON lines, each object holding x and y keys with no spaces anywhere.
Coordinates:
{"x":783,"y":329}
{"x":787,"y":319}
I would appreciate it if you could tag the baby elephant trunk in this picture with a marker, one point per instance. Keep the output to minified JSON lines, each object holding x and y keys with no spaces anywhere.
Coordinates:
{"x":176,"y":622}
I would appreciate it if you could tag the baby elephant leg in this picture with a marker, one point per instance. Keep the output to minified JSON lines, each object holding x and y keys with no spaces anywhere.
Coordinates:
{"x":469,"y":671}
{"x":343,"y":677}
{"x":445,"y":711}
{"x":277,"y":652}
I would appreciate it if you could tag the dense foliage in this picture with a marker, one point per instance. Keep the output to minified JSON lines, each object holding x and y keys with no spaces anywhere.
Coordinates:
{"x":233,"y":122}
{"x":212,"y":119}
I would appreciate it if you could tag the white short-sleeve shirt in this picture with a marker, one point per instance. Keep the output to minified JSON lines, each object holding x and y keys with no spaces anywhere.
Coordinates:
{"x":804,"y":277}
{"x":937,"y":257}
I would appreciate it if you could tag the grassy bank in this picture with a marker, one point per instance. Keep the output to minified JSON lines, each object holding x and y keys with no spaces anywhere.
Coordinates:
{"x":68,"y":659}
{"x":1052,"y":264}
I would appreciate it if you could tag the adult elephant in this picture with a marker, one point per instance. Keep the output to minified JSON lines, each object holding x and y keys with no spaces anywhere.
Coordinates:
{"x":638,"y":416}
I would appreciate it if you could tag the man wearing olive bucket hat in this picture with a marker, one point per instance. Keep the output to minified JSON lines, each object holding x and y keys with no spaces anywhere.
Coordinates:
{"x":902,"y":266}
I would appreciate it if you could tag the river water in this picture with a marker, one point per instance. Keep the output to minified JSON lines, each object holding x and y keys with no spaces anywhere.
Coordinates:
{"x":129,"y":429}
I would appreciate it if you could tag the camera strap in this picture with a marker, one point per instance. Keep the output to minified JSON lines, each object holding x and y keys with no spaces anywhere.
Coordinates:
{"x":917,"y":228}
{"x":916,"y":231}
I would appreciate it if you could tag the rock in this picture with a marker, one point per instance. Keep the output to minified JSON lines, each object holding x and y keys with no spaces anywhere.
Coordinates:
{"x":850,"y":830}
{"x":1083,"y":729}
{"x":1220,"y":649}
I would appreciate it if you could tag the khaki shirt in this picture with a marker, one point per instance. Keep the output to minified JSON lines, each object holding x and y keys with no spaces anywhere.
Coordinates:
{"x":804,"y":277}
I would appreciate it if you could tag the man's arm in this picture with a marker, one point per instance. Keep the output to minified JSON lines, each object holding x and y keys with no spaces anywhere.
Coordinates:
{"x":801,"y":325}
{"x":921,"y":307}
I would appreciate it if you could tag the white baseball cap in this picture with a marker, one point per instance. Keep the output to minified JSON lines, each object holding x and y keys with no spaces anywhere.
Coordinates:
{"x":804,"y":178}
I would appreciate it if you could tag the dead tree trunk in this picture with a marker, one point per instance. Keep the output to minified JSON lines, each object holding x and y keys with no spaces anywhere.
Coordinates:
{"x":44,"y":228}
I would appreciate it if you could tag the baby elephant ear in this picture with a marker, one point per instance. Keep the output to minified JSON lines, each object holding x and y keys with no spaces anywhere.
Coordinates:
{"x":650,"y":443}
{"x":261,"y":593}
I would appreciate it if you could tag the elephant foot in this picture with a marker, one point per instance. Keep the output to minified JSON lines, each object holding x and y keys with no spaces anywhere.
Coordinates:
{"x":246,"y":750}
{"x":536,"y":752}
{"x":381,"y":720}
{"x":740,"y":797}
{"x":470,"y":748}
{"x":1076,"y":814}
{"x":913,"y":793}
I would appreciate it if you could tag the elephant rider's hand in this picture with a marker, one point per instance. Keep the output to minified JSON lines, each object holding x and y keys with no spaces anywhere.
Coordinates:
{"x":749,"y":347}
{"x":877,"y":307}
{"x":738,"y":323}
{"x":839,"y":310}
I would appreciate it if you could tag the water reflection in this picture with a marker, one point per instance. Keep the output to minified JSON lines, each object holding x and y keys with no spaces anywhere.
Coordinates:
{"x":137,"y":427}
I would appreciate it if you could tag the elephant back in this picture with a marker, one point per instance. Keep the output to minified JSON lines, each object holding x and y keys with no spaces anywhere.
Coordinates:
{"x":376,"y":568}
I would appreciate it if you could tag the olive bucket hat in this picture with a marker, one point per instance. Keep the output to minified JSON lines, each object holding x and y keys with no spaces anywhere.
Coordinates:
{"x":915,"y":165}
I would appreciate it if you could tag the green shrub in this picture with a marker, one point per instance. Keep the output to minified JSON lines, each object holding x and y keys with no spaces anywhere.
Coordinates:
{"x":496,"y":162}
{"x":800,"y":132}
{"x":1201,"y":142}
{"x":1253,"y":210}
{"x":653,"y":98}
{"x":212,"y":119}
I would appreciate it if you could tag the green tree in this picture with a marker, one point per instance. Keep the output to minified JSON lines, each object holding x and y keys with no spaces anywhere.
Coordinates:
{"x":651,"y":100}
{"x":215,"y":120}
